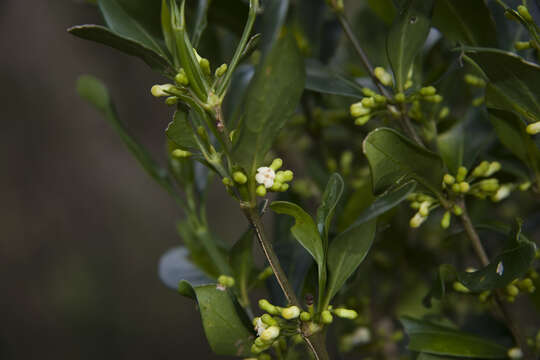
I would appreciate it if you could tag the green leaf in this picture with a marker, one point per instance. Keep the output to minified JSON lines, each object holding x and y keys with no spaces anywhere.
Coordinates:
{"x":346,"y":252}
{"x":304,"y":229}
{"x":118,"y":17}
{"x":180,"y":131}
{"x":441,"y":340}
{"x":407,"y":37}
{"x":94,"y":91}
{"x":330,"y":199}
{"x":225,"y":331}
{"x":126,"y":45}
{"x":322,"y":80}
{"x":451,"y":145}
{"x":515,"y":83}
{"x":241,"y":260}
{"x":198,"y":254}
{"x":166,"y":26}
{"x":393,"y":159}
{"x":386,"y":202}
{"x":272,"y":97}
{"x":467,"y":22}
{"x":356,"y":204}
{"x":272,"y":21}
{"x":512,"y":133}
{"x":385,"y":9}
{"x":174,"y":267}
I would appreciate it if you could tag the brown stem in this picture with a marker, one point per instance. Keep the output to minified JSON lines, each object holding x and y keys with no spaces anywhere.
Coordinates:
{"x":502,"y":306}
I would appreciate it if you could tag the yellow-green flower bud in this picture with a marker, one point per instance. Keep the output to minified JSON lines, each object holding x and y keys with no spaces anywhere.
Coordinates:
{"x":239,"y":177}
{"x":258,"y":349}
{"x":379,"y":99}
{"x":225,"y":281}
{"x":474,"y":80}
{"x":408,"y":84}
{"x":525,"y":186}
{"x":534,"y":128}
{"x":478,"y":101}
{"x":276,"y":164}
{"x":417,"y":220}
{"x":305,"y":316}
{"x":269,"y":308}
{"x":501,"y":194}
{"x":526,"y":284}
{"x":292,"y":312}
{"x":326,"y":317}
{"x":276,"y":186}
{"x":362,"y":120}
{"x":284,"y":187}
{"x":270,"y":334}
{"x":288,"y":175}
{"x":457,"y":210}
{"x":512,"y":290}
{"x":515,"y":353}
{"x":449,"y":179}
{"x":464,"y":187}
{"x":481,"y":169}
{"x":280,"y":176}
{"x":368,"y":102}
{"x":525,"y":14}
{"x":400,"y":97}
{"x":384,"y":77}
{"x":268,"y":320}
{"x":171,"y":100}
{"x":493,"y":168}
{"x":261,"y":191}
{"x":456,"y":188}
{"x":265,"y":274}
{"x":522,"y":45}
{"x":227,"y":181}
{"x":220,"y":71}
{"x":424,"y":208}
{"x":461,"y":174}
{"x":445,"y":111}
{"x":415,"y":205}
{"x":445,"y":221}
{"x":346,"y":313}
{"x":181,"y":154}
{"x":368,"y":92}
{"x":358,"y":110}
{"x":428,"y":91}
{"x":205,"y":66}
{"x":459,"y":287}
{"x":483,"y":297}
{"x":161,"y":90}
{"x":181,"y":78}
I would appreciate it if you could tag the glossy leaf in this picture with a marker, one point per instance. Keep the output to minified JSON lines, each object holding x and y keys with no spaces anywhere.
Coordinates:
{"x":441,"y":340}
{"x":386,"y":202}
{"x":451,"y":145}
{"x":181,"y":132}
{"x":330,"y":199}
{"x":393,"y":159}
{"x":304,"y":229}
{"x":322,"y":80}
{"x":241,"y":260}
{"x":271,"y":100}
{"x":225,"y":331}
{"x":272,"y":21}
{"x":126,"y":45}
{"x":175,"y":266}
{"x":514,"y":81}
{"x":117,"y":14}
{"x":407,"y":37}
{"x":94,"y":91}
{"x":467,"y":22}
{"x":346,"y":252}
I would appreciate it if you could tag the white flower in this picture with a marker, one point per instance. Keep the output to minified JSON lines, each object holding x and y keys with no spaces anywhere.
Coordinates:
{"x":260,"y":326}
{"x":265,"y":176}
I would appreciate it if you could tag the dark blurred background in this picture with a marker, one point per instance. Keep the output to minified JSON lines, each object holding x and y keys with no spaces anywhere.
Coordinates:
{"x":82,"y":226}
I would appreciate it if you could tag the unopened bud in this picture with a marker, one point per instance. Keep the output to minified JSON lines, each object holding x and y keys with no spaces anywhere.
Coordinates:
{"x":445,"y":221}
{"x":181,"y":154}
{"x":362,"y":120}
{"x":515,"y":353}
{"x":283,"y":187}
{"x":457,"y":210}
{"x":522,"y":45}
{"x":268,"y":320}
{"x":270,"y":334}
{"x":474,"y":80}
{"x":493,"y":168}
{"x":276,"y":164}
{"x":459,"y":287}
{"x":292,"y":312}
{"x":384,"y":77}
{"x":269,"y":308}
{"x":481,"y":169}
{"x":417,"y":220}
{"x":368,"y":92}
{"x":424,"y":208}
{"x":534,"y":128}
{"x":220,"y":71}
{"x":161,"y":90}
{"x":408,"y":84}
{"x":478,"y":101}
{"x":501,"y":194}
{"x":461,"y":174}
{"x":346,"y":313}
{"x":525,"y":186}
{"x":428,"y":91}
{"x":288,"y":175}
{"x":434,"y":98}
{"x":239,"y":177}
{"x":326,"y":317}
{"x":525,"y":14}
{"x":205,"y":66}
{"x":464,"y":187}
{"x":225,"y":281}
{"x":358,"y":110}
{"x":400,"y":97}
{"x":445,"y":111}
{"x":368,"y":102}
{"x":512,"y":290}
{"x":305,"y":316}
{"x":379,"y":99}
{"x":227,"y":181}
{"x":181,"y":78}
{"x":449,"y":179}
{"x":261,"y":191}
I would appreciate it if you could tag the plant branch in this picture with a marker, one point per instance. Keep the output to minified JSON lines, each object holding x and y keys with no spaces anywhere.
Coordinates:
{"x":405,"y":121}
{"x":503,"y":307}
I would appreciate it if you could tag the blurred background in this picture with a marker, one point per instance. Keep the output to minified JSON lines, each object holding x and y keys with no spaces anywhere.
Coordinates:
{"x":82,"y":225}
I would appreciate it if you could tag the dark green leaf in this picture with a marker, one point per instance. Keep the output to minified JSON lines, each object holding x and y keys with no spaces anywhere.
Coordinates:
{"x":330,"y":199}
{"x":231,"y":14}
{"x":393,"y":158}
{"x":346,"y":252}
{"x":451,"y":145}
{"x":200,"y":22}
{"x":232,"y":104}
{"x":385,"y":9}
{"x":174,"y":266}
{"x":407,"y":37}
{"x":514,"y":82}
{"x":272,"y":21}
{"x":322,"y":80}
{"x":198,"y":254}
{"x":440,"y":340}
{"x":271,"y":100}
{"x":131,"y":47}
{"x":241,"y":260}
{"x":134,"y":20}
{"x":166,"y":26}
{"x":304,"y":229}
{"x":356,"y":204}
{"x":95,"y":92}
{"x":386,"y":202}
{"x":225,"y":331}
{"x":465,"y":21}
{"x":180,"y":131}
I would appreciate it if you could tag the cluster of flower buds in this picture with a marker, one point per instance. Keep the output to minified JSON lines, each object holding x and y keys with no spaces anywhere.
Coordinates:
{"x":523,"y":15}
{"x":363,"y":110}
{"x":224,"y":282}
{"x":270,"y":179}
{"x":478,"y":82}
{"x":512,"y":290}
{"x":424,"y":204}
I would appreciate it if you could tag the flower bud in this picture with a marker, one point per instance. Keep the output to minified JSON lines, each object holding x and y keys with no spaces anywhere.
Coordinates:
{"x":226,"y":281}
{"x":424,"y":208}
{"x":474,"y":80}
{"x":481,"y":169}
{"x":257,"y":349}
{"x":445,"y":111}
{"x":417,"y":220}
{"x":265,"y":274}
{"x":326,"y":317}
{"x":526,"y":284}
{"x":483,"y":297}
{"x":457,"y":210}
{"x":461,"y":174}
{"x":346,"y":313}
{"x":268,"y":320}
{"x":459,"y":287}
{"x":478,"y":101}
{"x":161,"y":90}
{"x":288,"y":175}
{"x":379,"y":99}
{"x":525,"y":14}
{"x":428,"y":91}
{"x":493,"y":168}
{"x":227,"y":181}
{"x":534,"y":128}
{"x":515,"y":353}
{"x":239,"y":177}
{"x":358,"y":110}
{"x":368,"y":92}
{"x":525,"y":186}
{"x":205,"y":66}
{"x":362,"y":120}
{"x":522,"y":45}
{"x":261,"y":191}
{"x":171,"y":100}
{"x":464,"y":187}
{"x":283,"y":187}
{"x":276,"y":186}
{"x":384,"y":77}
{"x":445,"y":221}
{"x":408,"y":84}
{"x":501,"y":194}
{"x":305,"y":316}
{"x":181,"y":154}
{"x":512,"y":290}
{"x":368,"y":102}
{"x":270,"y":334}
{"x":181,"y":78}
{"x":449,"y":179}
{"x":292,"y":312}
{"x":269,"y":308}
{"x":220,"y":71}
{"x":434,"y":98}
{"x":276,"y":164}
{"x":400,"y":97}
